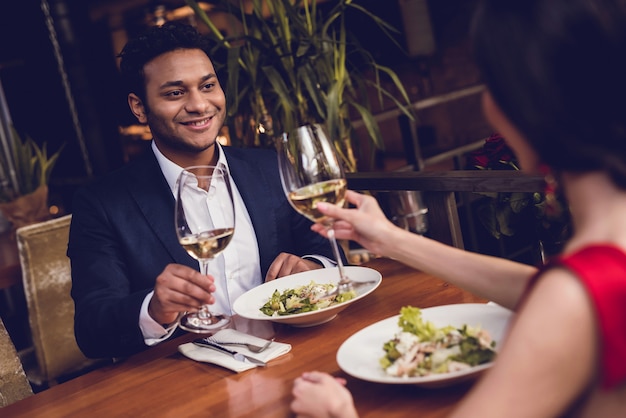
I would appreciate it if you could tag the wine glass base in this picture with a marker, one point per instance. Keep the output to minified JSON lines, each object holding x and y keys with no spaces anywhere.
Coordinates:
{"x":195,"y":324}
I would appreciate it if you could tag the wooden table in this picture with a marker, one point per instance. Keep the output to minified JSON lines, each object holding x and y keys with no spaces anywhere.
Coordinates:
{"x":162,"y":383}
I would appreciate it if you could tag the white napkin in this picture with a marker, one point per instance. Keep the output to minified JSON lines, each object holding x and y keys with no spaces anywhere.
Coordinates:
{"x":209,"y":355}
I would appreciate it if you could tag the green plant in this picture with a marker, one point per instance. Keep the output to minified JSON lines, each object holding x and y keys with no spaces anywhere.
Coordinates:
{"x":289,"y":64}
{"x":501,"y":213}
{"x":31,"y":164}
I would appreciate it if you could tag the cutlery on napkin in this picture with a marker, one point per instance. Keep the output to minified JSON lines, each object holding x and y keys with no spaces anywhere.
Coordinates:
{"x":226,"y":360}
{"x":205,"y":342}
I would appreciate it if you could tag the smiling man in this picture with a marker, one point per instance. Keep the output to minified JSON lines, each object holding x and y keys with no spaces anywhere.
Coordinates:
{"x":131,"y":278}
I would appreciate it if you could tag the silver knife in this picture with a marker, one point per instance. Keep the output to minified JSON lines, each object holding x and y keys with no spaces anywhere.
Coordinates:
{"x":203,"y":342}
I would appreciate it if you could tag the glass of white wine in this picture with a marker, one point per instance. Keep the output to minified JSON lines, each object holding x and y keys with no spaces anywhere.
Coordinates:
{"x":205,"y":224}
{"x":311,"y":172}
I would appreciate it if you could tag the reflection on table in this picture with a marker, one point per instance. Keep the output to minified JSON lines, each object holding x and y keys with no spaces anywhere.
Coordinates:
{"x":162,"y":382}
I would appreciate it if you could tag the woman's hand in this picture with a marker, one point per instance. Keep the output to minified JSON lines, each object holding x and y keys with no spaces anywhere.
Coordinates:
{"x":320,"y":395}
{"x":367,"y":224}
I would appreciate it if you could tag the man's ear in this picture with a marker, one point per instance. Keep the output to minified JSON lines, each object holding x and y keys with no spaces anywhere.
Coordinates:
{"x":137,"y":107}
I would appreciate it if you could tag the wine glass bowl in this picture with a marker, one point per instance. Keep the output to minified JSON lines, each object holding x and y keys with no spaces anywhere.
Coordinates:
{"x":207,"y":244}
{"x":305,"y":199}
{"x":205,"y":224}
{"x":310,"y":173}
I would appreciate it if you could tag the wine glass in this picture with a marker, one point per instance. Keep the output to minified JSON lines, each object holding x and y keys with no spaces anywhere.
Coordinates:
{"x":205,"y":224}
{"x":310,"y":173}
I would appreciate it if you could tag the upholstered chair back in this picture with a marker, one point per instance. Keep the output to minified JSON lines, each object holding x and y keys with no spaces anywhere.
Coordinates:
{"x":13,"y":382}
{"x":46,"y":276}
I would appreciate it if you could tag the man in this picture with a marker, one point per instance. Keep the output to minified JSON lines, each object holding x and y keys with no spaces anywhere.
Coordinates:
{"x":131,"y":278}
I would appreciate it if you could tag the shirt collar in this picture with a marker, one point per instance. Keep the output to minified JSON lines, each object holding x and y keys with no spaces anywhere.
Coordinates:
{"x":171,"y":170}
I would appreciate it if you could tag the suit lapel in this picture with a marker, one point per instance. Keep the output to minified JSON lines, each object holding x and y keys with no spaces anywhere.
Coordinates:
{"x":255,"y":191}
{"x":155,"y":201}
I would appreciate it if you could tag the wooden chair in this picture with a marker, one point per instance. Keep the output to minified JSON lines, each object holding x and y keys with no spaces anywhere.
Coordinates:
{"x":13,"y":382}
{"x":46,"y":275}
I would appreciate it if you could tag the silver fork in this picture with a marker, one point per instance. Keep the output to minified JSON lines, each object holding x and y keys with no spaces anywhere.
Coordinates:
{"x":252,"y":347}
{"x":345,"y":285}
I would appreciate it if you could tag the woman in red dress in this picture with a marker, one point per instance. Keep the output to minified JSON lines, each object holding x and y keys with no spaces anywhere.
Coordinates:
{"x":555,"y":72}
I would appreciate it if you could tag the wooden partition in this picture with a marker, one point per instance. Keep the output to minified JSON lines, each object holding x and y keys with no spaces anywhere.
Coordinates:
{"x":439,"y":190}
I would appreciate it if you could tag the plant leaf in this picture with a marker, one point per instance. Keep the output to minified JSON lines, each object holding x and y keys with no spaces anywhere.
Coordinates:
{"x":294,"y":62}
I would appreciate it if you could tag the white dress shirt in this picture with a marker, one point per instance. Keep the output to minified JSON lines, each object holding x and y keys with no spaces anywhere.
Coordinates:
{"x":236,"y":270}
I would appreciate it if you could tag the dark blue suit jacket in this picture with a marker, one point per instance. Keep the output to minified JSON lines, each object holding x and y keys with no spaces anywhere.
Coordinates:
{"x":122,"y":236}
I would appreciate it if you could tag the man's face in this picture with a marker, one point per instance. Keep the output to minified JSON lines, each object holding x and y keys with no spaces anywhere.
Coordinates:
{"x":185,"y":105}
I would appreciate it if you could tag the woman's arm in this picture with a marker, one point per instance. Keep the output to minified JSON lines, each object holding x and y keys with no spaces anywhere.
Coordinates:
{"x":502,"y":281}
{"x":497,"y":279}
{"x":548,"y":358}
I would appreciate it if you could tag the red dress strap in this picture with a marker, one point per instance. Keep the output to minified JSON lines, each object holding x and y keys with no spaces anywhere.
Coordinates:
{"x":602,"y":270}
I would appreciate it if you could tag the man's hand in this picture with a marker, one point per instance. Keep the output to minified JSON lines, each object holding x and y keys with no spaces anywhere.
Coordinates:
{"x":286,"y":264}
{"x":179,"y":289}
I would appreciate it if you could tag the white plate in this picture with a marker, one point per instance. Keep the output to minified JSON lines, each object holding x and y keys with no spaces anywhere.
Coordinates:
{"x":248,"y":305}
{"x":359,"y":355}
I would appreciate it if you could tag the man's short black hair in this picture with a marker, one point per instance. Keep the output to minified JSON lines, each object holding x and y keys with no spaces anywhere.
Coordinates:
{"x":154,"y":42}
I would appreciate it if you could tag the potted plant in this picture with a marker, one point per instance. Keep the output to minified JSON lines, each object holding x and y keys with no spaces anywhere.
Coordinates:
{"x":24,"y":197}
{"x":289,"y":64}
{"x":503,"y":213}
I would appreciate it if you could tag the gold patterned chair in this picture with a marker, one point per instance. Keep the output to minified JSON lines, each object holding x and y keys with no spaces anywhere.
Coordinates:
{"x":46,"y":275}
{"x":13,"y":382}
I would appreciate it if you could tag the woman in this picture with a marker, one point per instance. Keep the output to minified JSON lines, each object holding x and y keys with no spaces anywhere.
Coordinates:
{"x":556,"y":90}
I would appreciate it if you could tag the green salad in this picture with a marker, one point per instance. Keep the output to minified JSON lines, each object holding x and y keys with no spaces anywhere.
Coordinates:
{"x":307,"y":298}
{"x":420,"y":348}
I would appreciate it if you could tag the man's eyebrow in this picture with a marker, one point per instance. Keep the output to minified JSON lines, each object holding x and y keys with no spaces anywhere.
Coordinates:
{"x":176,"y":83}
{"x":209,"y":76}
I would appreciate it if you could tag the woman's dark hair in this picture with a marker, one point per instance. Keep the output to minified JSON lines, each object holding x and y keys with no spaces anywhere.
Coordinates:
{"x":154,"y":42}
{"x":557,"y":69}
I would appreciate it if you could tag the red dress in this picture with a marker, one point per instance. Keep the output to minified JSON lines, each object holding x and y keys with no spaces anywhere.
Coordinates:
{"x":602,"y":270}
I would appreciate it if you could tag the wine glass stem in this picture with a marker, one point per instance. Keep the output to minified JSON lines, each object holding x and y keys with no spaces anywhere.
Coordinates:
{"x":204,"y":312}
{"x":333,"y":243}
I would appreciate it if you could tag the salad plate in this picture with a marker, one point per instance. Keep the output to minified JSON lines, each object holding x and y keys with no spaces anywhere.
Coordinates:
{"x":359,"y":356}
{"x":249,"y":304}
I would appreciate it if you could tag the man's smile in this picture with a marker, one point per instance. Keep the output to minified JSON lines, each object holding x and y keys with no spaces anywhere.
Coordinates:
{"x":200,"y":122}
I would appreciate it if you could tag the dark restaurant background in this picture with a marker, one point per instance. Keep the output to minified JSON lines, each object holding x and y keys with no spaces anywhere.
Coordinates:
{"x":59,"y":74}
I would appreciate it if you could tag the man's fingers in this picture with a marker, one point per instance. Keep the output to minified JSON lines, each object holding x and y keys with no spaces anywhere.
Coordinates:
{"x":183,"y":288}
{"x":286,"y":264}
{"x":281,"y":266}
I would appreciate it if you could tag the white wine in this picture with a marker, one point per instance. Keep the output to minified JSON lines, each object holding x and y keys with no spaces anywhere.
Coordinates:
{"x":306,"y":198}
{"x":207,"y":244}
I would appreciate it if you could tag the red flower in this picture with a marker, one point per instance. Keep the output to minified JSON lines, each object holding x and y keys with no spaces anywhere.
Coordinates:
{"x":478,"y":160}
{"x":502,"y":211}
{"x":494,"y":155}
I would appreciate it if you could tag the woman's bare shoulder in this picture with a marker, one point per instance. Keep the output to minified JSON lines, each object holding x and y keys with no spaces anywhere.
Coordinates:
{"x":605,"y":403}
{"x":549,"y":349}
